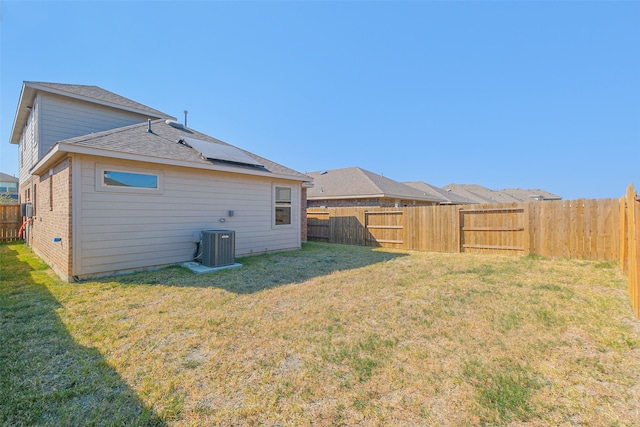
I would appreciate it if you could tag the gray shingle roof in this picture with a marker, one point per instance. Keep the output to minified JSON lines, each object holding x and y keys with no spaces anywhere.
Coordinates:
{"x":96,"y":93}
{"x":530,"y":194}
{"x":449,"y":197}
{"x":355,"y":182}
{"x":480,"y":194}
{"x":162,"y":146}
{"x":7,"y":178}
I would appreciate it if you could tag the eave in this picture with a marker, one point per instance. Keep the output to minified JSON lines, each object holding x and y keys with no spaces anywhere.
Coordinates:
{"x":61,"y":150}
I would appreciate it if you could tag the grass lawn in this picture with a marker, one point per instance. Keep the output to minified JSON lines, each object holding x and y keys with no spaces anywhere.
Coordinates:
{"x":329,"y":335}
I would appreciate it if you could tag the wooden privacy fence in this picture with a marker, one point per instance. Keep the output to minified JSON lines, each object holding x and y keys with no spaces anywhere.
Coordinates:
{"x":10,"y":221}
{"x":420,"y":228}
{"x":583,"y":229}
{"x":630,"y":245}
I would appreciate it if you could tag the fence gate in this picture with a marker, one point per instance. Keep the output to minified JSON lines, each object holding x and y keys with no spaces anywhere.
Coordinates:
{"x":10,"y":221}
{"x":492,"y":230}
{"x":384,"y":228}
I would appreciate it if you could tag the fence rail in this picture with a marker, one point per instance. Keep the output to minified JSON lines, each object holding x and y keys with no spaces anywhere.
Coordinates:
{"x":10,"y":221}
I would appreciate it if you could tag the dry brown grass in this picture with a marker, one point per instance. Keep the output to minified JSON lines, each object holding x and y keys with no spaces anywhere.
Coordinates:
{"x":341,"y":335}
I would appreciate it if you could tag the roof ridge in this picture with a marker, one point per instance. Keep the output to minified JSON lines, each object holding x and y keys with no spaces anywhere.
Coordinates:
{"x":94,"y":135}
{"x":368,"y":177}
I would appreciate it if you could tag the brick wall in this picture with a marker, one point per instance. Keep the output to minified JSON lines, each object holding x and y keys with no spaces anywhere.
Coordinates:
{"x":52,"y":218}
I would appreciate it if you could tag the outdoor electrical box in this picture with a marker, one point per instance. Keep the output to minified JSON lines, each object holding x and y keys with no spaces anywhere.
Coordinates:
{"x":26,"y":210}
{"x":218,"y":248}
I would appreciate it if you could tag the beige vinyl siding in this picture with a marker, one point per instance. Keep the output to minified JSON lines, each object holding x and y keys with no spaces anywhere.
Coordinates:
{"x":63,"y":118}
{"x":27,"y":157}
{"x":123,"y":230}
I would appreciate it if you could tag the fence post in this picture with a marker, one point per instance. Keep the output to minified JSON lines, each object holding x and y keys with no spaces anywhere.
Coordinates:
{"x":633,"y":251}
{"x":624,"y":234}
{"x":460,"y":226}
{"x":526,"y":234}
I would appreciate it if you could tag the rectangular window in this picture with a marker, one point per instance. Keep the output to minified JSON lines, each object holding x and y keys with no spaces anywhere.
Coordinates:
{"x":147,"y":181}
{"x":129,"y":179}
{"x":283,"y":205}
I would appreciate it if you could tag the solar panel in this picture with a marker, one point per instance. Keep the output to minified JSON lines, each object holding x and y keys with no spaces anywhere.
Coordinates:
{"x":225,"y":153}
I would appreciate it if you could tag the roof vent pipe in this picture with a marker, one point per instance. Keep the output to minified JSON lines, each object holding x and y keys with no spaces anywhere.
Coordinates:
{"x":149,"y":126}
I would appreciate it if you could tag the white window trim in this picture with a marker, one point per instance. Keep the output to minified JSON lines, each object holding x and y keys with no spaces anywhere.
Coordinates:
{"x":100,"y":186}
{"x":273,"y":207}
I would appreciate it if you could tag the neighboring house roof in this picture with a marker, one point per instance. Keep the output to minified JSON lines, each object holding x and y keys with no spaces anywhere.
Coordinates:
{"x":448,"y":197}
{"x":357,"y":183}
{"x":531,"y":194}
{"x":480,"y":194}
{"x":7,"y":178}
{"x":160,"y":146}
{"x":93,"y":94}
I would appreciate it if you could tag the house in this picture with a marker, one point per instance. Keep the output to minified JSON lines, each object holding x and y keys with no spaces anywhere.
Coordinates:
{"x":448,"y":197}
{"x":8,"y":186}
{"x":480,"y":194}
{"x":117,"y":186}
{"x":355,"y":186}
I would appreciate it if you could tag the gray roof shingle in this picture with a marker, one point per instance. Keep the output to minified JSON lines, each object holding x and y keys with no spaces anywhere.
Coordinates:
{"x":96,"y":93}
{"x":480,"y":194}
{"x":355,"y":182}
{"x":449,"y":197}
{"x":162,"y":146}
{"x":7,"y":178}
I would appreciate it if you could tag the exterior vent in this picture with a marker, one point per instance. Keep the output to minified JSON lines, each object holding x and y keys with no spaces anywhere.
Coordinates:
{"x":174,"y":124}
{"x":218,"y":248}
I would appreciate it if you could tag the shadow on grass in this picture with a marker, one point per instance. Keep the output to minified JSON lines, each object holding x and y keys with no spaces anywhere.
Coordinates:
{"x":45,"y":377}
{"x":267,"y":271}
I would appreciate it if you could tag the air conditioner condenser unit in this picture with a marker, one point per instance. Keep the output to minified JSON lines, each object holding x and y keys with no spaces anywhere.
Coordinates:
{"x":218,"y":248}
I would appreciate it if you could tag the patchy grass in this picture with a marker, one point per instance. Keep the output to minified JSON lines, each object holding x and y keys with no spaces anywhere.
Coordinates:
{"x":46,"y":377}
{"x":330,"y":335}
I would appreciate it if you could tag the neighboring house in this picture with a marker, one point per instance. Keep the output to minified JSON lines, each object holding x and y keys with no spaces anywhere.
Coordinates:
{"x":480,"y":194}
{"x":448,"y":197}
{"x":358,"y":187}
{"x":8,"y":186}
{"x":118,"y":186}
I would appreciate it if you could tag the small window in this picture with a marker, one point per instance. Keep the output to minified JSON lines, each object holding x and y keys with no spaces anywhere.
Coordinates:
{"x":129,"y":179}
{"x":283,"y":206}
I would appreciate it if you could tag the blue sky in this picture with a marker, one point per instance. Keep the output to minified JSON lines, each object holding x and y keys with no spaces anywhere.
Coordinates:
{"x":502,"y":93}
